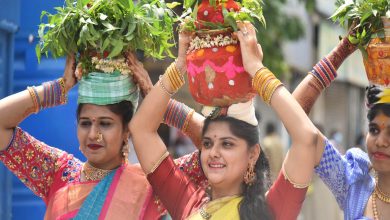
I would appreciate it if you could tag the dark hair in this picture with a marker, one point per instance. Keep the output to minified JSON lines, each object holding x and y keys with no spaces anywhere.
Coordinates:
{"x":378,"y":108}
{"x":124,"y":109}
{"x":253,"y":206}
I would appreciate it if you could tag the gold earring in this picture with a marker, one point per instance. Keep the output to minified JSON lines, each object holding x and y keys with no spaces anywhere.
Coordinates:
{"x":99,"y":137}
{"x":125,"y":152}
{"x":250,"y":175}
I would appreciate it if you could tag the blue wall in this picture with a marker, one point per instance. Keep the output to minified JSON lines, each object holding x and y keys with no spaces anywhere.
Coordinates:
{"x":56,"y":126}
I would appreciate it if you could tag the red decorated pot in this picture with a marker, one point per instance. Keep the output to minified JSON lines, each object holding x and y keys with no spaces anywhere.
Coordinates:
{"x":377,"y":64}
{"x":215,"y":71}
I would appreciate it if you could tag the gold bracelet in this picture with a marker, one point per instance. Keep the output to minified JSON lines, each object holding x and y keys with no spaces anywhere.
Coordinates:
{"x":160,"y":82}
{"x":187,"y":121}
{"x":64,"y":97}
{"x":271,"y":90}
{"x":175,"y":78}
{"x":34,"y":99}
{"x":158,"y":162}
{"x":264,"y":84}
{"x":296,"y":185}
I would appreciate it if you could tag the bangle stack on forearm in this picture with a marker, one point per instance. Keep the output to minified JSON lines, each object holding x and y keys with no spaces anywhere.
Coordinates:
{"x":54,"y":93}
{"x":174,"y":77}
{"x":265,"y":83}
{"x":178,"y":115}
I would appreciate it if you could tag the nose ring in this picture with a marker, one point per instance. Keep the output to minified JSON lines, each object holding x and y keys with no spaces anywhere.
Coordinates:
{"x":99,"y":137}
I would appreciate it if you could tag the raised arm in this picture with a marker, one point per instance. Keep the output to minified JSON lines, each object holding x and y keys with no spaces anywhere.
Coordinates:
{"x":300,"y":161}
{"x":147,"y":143}
{"x":311,"y":87}
{"x":175,"y":111}
{"x":15,"y":108}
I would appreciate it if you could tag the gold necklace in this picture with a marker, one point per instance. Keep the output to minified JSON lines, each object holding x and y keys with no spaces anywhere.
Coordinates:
{"x":94,"y":174}
{"x":381,"y":195}
{"x":374,"y":209}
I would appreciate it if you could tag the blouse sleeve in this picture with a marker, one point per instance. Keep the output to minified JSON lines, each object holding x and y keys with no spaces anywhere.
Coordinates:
{"x":191,"y":166}
{"x":37,"y":164}
{"x":285,"y":200}
{"x":340,"y":172}
{"x":178,"y":194}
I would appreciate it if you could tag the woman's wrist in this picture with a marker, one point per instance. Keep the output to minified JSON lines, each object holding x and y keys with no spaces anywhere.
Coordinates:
{"x":341,"y":52}
{"x":265,"y":83}
{"x":172,"y":80}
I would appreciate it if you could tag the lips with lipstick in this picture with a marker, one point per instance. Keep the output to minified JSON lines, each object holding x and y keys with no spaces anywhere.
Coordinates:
{"x":94,"y":146}
{"x":380,"y":156}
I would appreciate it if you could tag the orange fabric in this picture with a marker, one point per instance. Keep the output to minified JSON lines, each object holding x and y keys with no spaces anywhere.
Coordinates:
{"x":128,"y":202}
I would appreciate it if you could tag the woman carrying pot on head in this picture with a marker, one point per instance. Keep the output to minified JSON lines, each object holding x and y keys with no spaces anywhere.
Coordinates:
{"x":359,"y":181}
{"x":231,"y":157}
{"x":105,"y":186}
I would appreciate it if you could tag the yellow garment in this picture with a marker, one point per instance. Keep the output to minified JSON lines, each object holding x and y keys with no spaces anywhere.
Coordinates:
{"x":384,"y":96}
{"x":225,"y":208}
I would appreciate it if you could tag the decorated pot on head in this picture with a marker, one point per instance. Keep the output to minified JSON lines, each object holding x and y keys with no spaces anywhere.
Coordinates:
{"x":105,"y":34}
{"x":377,"y":62}
{"x":215,"y":71}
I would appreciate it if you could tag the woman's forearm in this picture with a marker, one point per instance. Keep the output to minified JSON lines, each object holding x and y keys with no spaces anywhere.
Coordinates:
{"x":143,"y":126}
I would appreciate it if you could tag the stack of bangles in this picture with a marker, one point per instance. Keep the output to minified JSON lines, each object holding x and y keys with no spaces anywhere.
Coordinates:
{"x":175,"y":78}
{"x":178,"y":115}
{"x":324,"y":73}
{"x":265,"y":83}
{"x":53,"y":94}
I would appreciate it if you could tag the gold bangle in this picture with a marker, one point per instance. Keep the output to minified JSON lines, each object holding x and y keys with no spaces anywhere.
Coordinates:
{"x":158,"y":162}
{"x":271,"y":90}
{"x":163,"y":87}
{"x":34,"y":99}
{"x":175,"y":78}
{"x":64,"y":97}
{"x":295,"y":185}
{"x":187,"y":121}
{"x":264,"y":84}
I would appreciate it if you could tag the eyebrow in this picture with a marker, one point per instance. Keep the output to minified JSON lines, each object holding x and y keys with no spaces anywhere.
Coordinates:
{"x":221,"y":138}
{"x":100,"y":118}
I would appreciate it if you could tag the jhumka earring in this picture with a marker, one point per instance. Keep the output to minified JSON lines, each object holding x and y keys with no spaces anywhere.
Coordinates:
{"x":125,"y":152}
{"x":99,"y":137}
{"x":250,"y":175}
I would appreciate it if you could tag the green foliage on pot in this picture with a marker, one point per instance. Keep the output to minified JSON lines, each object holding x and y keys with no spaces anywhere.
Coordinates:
{"x":107,"y":26}
{"x":364,"y":16}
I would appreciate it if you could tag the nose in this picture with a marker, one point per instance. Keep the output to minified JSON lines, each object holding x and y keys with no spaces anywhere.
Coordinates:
{"x":214,"y":151}
{"x":383,"y":140}
{"x":93,"y":132}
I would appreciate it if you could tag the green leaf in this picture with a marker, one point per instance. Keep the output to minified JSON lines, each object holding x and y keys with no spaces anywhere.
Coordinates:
{"x":353,"y":39}
{"x":118,"y":46}
{"x":173,"y":5}
{"x":38,"y":52}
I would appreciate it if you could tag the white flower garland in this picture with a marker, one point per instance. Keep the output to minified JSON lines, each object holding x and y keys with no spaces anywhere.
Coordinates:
{"x":208,"y":42}
{"x":110,"y":65}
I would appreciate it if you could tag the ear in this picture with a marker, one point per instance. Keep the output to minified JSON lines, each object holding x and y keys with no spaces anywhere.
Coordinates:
{"x":126,"y":134}
{"x":254,"y":153}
